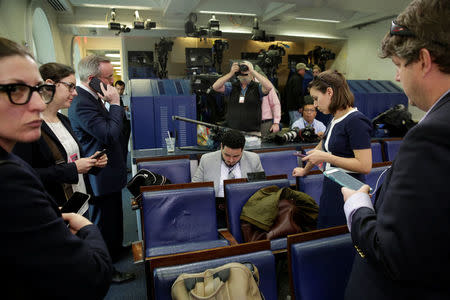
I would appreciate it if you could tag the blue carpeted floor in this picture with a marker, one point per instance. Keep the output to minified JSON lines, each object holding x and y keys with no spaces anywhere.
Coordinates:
{"x":135,"y":289}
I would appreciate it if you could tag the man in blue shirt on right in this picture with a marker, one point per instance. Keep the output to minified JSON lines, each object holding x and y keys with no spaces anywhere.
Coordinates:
{"x":308,"y":118}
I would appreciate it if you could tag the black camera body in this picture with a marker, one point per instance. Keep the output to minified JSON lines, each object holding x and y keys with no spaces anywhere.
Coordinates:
{"x":242,"y":68}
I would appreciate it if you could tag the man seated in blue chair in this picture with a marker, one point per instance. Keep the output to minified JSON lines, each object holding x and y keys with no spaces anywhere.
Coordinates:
{"x":308,"y":118}
{"x":230,"y":162}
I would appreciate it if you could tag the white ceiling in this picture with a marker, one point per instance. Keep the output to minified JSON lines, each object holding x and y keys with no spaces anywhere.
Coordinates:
{"x":277,"y":18}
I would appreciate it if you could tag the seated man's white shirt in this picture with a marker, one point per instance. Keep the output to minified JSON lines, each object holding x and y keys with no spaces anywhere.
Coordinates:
{"x":224,"y":171}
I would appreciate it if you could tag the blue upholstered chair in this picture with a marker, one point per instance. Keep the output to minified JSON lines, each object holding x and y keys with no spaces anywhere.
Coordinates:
{"x":262,"y":258}
{"x":391,"y":148}
{"x":176,"y":170}
{"x":312,"y":185}
{"x":279,"y":162}
{"x":236,"y":195}
{"x":377,"y":154}
{"x":179,"y":219}
{"x":320,"y":267}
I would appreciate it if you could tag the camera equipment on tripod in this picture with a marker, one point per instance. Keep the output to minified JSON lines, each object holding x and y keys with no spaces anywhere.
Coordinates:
{"x":319,"y":56}
{"x":162,"y":49}
{"x":218,"y":47}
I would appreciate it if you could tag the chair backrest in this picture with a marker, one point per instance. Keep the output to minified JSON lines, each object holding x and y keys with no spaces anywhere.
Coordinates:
{"x":276,"y":162}
{"x":237,"y":194}
{"x":320,"y":268}
{"x":391,"y":148}
{"x":173,"y":216}
{"x":312,"y":185}
{"x":176,"y":170}
{"x":263,"y":259}
{"x":375,"y":173}
{"x":377,"y":154}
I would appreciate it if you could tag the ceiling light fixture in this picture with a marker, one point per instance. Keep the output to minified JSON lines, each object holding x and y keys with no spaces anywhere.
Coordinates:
{"x":113,"y":55}
{"x":318,"y":20}
{"x":115,"y":62}
{"x":227,"y":13}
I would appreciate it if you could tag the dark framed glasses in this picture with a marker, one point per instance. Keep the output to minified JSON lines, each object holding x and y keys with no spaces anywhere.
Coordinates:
{"x":400,"y":30}
{"x":70,"y":86}
{"x":20,"y":93}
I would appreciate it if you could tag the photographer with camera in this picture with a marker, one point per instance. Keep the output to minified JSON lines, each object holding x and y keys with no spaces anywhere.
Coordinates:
{"x":245,"y":97}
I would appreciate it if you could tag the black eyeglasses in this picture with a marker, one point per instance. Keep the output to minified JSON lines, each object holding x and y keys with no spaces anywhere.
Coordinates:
{"x":20,"y":93}
{"x":70,"y":86}
{"x":401,"y":30}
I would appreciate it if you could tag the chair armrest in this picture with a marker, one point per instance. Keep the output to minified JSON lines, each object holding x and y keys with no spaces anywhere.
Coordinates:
{"x":138,"y":251}
{"x":228,"y":236}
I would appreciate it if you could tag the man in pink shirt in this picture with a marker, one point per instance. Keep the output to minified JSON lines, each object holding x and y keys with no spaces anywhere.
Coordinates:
{"x":271,"y":113}
{"x":271,"y":110}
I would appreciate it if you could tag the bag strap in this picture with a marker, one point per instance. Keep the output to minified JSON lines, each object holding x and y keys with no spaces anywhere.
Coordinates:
{"x":59,"y":159}
{"x":190,"y":283}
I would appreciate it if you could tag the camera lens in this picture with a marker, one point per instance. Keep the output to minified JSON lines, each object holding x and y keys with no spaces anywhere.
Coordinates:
{"x":243,"y":68}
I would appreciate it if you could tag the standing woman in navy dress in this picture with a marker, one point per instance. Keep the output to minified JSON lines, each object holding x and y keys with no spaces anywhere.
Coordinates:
{"x":346,"y":143}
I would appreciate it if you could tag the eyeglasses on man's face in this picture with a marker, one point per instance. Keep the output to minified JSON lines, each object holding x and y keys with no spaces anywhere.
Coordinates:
{"x":20,"y":93}
{"x":312,"y":110}
{"x":70,"y":86}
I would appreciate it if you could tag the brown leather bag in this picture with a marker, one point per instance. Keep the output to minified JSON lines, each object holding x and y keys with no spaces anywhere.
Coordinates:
{"x":283,"y":226}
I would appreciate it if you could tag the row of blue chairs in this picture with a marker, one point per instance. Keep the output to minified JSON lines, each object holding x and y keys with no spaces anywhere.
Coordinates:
{"x":319,"y":265}
{"x":274,"y":161}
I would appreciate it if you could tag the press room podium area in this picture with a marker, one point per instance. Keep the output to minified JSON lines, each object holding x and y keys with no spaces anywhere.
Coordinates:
{"x":155,"y":101}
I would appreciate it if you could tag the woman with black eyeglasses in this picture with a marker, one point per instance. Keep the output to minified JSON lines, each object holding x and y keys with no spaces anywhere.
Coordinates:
{"x":57,"y":155}
{"x":47,"y":254}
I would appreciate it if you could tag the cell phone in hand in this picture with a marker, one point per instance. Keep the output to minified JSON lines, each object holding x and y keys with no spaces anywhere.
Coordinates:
{"x":77,"y":203}
{"x":344,"y":179}
{"x":299,"y":154}
{"x":100,"y":154}
{"x":95,"y":85}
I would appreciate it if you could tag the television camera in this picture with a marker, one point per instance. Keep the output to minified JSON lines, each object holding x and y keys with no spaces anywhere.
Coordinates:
{"x":218,"y":47}
{"x":319,"y":56}
{"x":260,"y":35}
{"x":162,"y":50}
{"x":270,"y":59}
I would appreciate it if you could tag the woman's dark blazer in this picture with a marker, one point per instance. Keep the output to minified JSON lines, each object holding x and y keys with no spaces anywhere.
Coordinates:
{"x":40,"y":157}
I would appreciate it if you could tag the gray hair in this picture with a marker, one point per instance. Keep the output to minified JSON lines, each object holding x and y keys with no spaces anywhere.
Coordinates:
{"x":90,"y":66}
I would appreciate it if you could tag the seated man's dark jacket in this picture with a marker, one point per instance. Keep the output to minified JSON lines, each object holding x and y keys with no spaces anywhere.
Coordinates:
{"x":41,"y":258}
{"x":405,"y":241}
{"x":40,"y":157}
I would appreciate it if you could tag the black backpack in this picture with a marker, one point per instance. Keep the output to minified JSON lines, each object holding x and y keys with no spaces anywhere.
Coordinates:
{"x":394,"y":122}
{"x":143,"y":178}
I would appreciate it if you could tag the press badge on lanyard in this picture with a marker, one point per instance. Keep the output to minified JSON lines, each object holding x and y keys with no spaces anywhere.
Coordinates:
{"x":242,"y":96}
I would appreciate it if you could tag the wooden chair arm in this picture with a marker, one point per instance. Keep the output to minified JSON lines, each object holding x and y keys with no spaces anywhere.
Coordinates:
{"x":228,"y":236}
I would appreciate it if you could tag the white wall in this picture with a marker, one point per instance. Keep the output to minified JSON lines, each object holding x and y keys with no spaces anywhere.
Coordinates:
{"x":358,"y":58}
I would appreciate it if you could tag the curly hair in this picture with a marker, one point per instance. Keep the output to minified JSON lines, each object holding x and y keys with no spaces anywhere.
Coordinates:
{"x":429,"y":22}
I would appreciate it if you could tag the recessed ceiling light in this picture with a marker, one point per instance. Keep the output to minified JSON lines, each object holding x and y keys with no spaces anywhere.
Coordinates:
{"x":227,"y":13}
{"x":318,"y":20}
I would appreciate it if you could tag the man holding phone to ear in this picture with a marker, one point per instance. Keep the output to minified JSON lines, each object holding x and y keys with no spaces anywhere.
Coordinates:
{"x":97,"y":129}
